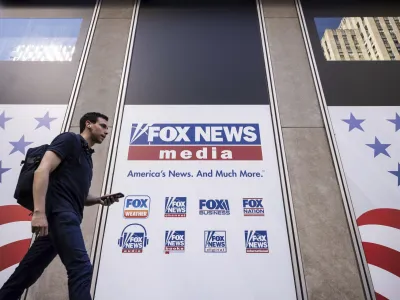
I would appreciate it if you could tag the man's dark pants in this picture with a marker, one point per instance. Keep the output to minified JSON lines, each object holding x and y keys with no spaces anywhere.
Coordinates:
{"x":65,"y":239}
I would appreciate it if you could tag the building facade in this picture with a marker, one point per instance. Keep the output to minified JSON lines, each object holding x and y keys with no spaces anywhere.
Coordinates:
{"x":256,"y":142}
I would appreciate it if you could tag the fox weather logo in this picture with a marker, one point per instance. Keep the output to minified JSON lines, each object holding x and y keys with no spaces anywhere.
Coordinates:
{"x":196,"y":141}
{"x":215,"y":241}
{"x":174,"y":241}
{"x":214,"y":207}
{"x":133,"y":239}
{"x":256,"y":241}
{"x":175,"y":207}
{"x":136,"y":206}
{"x":253,"y":207}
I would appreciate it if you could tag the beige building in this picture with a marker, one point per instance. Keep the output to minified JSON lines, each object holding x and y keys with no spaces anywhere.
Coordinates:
{"x":359,"y":38}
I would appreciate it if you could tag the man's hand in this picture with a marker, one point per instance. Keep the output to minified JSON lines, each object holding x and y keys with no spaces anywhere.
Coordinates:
{"x":39,"y":224}
{"x":108,"y":200}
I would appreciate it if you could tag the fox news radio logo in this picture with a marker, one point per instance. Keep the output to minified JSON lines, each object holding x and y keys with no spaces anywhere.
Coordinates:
{"x":214,"y":207}
{"x":136,"y":207}
{"x":133,"y":239}
{"x":215,"y":242}
{"x":195,"y":142}
{"x":256,"y":241}
{"x":253,"y":207}
{"x":175,"y":207}
{"x":174,"y":241}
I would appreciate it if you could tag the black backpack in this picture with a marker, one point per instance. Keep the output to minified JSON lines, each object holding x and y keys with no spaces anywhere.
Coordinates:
{"x":24,"y":189}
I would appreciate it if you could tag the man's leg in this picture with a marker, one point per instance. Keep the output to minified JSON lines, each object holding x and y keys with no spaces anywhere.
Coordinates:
{"x":68,"y":240}
{"x":36,"y":260}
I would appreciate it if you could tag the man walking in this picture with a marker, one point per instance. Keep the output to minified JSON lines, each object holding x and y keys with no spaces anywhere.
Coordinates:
{"x":60,"y":192}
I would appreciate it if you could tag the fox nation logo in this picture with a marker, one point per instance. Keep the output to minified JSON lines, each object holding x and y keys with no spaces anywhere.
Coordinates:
{"x":175,"y":207}
{"x":136,"y":207}
{"x":253,"y":207}
{"x":174,"y":241}
{"x":256,"y":241}
{"x":133,"y":239}
{"x":214,"y":207}
{"x":195,"y":142}
{"x":215,"y":241}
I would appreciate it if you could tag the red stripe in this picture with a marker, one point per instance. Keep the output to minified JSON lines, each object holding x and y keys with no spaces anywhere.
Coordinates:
{"x":13,"y":253}
{"x":383,"y":257}
{"x":195,"y":153}
{"x":383,"y":216}
{"x":380,"y":297}
{"x":13,"y":213}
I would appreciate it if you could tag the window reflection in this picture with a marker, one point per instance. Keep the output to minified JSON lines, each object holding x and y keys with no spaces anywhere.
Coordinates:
{"x":46,"y":40}
{"x":359,"y":38}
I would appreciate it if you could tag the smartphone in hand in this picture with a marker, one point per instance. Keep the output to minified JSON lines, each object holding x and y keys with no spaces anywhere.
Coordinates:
{"x":116,"y":195}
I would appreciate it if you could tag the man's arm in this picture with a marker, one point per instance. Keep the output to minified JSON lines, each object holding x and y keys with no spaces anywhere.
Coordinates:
{"x":49,"y":163}
{"x":92,"y":200}
{"x":58,"y":150}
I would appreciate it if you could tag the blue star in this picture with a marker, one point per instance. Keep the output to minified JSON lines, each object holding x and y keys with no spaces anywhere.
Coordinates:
{"x":3,"y":170}
{"x":397,"y":173}
{"x":3,"y":120}
{"x":354,"y":123}
{"x":379,"y":148}
{"x":45,"y":121}
{"x":396,"y":121}
{"x":20,"y":145}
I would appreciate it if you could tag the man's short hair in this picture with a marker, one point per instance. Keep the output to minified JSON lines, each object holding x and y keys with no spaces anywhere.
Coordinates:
{"x":92,"y":118}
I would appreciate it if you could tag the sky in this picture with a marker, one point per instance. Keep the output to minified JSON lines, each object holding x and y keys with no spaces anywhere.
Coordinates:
{"x":326,"y":23}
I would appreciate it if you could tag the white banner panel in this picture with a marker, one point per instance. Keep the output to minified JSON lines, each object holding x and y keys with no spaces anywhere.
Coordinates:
{"x":21,"y":127}
{"x":205,"y":220}
{"x":368,"y":139}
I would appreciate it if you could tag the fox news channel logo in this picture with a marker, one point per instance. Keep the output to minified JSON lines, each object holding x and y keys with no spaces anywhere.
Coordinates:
{"x":174,"y":241}
{"x":133,"y":239}
{"x":195,"y":142}
{"x":215,"y":241}
{"x":256,"y":241}
{"x":137,"y":207}
{"x":253,"y":207}
{"x":175,"y":207}
{"x":214,"y":207}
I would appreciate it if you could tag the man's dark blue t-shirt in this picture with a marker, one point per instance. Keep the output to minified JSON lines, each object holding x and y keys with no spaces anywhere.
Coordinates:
{"x":69,"y":184}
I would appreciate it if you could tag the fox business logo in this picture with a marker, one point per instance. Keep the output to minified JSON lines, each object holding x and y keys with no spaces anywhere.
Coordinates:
{"x":253,"y":207}
{"x":214,"y":207}
{"x":195,"y":142}
{"x":256,"y":241}
{"x":136,"y":206}
{"x":215,"y":242}
{"x":175,"y":207}
{"x":174,"y":241}
{"x":133,"y":239}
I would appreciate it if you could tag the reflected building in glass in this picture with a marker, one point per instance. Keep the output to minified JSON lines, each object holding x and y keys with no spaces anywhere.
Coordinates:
{"x":363,"y":38}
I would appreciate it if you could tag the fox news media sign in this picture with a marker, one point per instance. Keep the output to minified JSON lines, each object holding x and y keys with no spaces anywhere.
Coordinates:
{"x":174,"y":241}
{"x":195,"y":142}
{"x":175,"y":207}
{"x":136,"y":207}
{"x":204,"y":229}
{"x":253,"y":207}
{"x":133,"y":239}
{"x":256,"y":241}
{"x":214,"y":207}
{"x":215,"y":242}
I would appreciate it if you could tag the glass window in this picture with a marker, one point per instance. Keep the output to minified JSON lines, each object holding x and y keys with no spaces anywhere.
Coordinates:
{"x":38,"y":39}
{"x":353,"y":27}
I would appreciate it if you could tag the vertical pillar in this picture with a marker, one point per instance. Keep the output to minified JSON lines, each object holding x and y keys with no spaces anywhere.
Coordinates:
{"x":328,"y":256}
